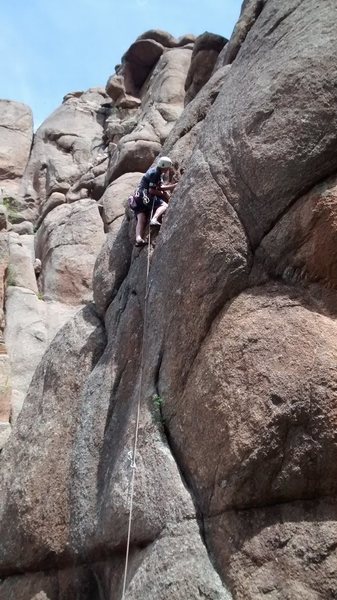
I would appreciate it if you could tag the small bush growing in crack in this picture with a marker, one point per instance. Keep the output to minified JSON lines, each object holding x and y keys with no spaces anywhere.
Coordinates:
{"x":11,"y":275}
{"x":157,"y":403}
{"x":12,"y":209}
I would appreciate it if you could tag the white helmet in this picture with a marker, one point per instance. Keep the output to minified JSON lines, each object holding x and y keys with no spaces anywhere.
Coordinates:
{"x":164,"y":162}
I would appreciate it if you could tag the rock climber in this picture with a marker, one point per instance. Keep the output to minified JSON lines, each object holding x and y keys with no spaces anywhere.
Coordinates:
{"x":150,"y":196}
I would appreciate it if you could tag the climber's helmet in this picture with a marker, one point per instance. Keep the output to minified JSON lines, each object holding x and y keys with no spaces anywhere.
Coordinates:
{"x":164,"y":162}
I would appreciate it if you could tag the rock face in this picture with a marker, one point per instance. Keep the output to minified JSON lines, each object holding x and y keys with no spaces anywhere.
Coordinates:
{"x":222,"y":360}
{"x":65,"y":145}
{"x":5,"y":371}
{"x":67,"y":244}
{"x":16,"y":135}
{"x":204,"y":56}
{"x":162,"y":101}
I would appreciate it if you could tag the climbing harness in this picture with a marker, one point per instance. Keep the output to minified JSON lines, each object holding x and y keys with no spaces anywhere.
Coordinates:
{"x":132,"y":455}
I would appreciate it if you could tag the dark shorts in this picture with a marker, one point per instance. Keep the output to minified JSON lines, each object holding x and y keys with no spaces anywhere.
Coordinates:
{"x":147,"y":208}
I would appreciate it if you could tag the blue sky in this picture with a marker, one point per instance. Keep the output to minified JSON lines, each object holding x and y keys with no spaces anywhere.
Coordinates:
{"x":51,"y":47}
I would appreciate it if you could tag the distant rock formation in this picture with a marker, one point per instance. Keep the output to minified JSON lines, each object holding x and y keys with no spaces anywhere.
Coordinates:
{"x":16,"y":136}
{"x":234,"y":358}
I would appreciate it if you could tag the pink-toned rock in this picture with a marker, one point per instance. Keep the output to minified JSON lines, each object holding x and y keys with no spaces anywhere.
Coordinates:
{"x":67,"y":243}
{"x":4,"y":258}
{"x":5,"y":374}
{"x":112,"y":265}
{"x":5,"y":395}
{"x":115,"y":87}
{"x":162,"y":103}
{"x":299,"y":536}
{"x":16,"y":134}
{"x":63,"y":371}
{"x":114,"y":199}
{"x":231,"y":374}
{"x":302,"y":244}
{"x":21,"y":263}
{"x":56,"y":585}
{"x":285,"y":345}
{"x":64,"y":147}
{"x":31,"y":324}
{"x":54,"y":200}
{"x":92,"y":183}
{"x":182,"y":139}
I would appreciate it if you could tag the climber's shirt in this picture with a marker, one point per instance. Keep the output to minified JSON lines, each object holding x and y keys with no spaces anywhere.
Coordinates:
{"x":140,"y":201}
{"x":151,"y":179}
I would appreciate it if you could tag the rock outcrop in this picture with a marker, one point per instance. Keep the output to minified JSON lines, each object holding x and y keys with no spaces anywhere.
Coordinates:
{"x":222,"y":361}
{"x":204,"y":56}
{"x":65,"y":146}
{"x":16,"y":135}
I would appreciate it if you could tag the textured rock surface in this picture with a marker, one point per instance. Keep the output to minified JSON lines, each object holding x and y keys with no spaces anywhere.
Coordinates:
{"x":65,"y":145}
{"x":280,"y":415}
{"x":67,"y":584}
{"x":112,"y":266}
{"x":302,"y":244}
{"x":162,"y":102}
{"x":191,"y":576}
{"x":16,"y":134}
{"x":252,"y":122}
{"x":45,"y":519}
{"x":229,"y":369}
{"x":67,"y":243}
{"x":205,"y":53}
{"x":114,"y":199}
{"x":182,"y":139}
{"x":21,"y":269}
{"x":5,"y":372}
{"x":31,"y":324}
{"x":250,"y":11}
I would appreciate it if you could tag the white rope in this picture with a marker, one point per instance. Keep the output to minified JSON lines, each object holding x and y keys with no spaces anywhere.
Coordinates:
{"x":134,"y":452}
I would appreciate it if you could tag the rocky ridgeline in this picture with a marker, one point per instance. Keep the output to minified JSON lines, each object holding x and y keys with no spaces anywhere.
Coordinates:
{"x":236,"y":470}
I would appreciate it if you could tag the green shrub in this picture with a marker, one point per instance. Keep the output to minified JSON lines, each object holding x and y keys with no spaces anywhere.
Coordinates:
{"x":11,"y":206}
{"x":158,"y":402}
{"x":11,"y":275}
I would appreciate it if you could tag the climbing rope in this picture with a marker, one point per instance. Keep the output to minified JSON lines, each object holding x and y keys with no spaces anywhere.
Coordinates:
{"x":134,"y":451}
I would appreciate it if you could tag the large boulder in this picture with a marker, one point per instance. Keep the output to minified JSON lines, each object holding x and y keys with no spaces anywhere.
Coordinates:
{"x":227,"y":377}
{"x":92,"y":520}
{"x":275,"y":117}
{"x":42,"y":443}
{"x":31,"y":324}
{"x":21,"y":262}
{"x":301,"y":246}
{"x":115,"y":197}
{"x":67,"y":244}
{"x":16,"y":135}
{"x":65,"y":146}
{"x":250,"y":11}
{"x":182,"y":139}
{"x":58,"y":585}
{"x":271,"y":131}
{"x":162,"y":103}
{"x":112,"y":266}
{"x":204,"y":56}
{"x":166,"y":39}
